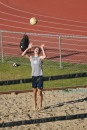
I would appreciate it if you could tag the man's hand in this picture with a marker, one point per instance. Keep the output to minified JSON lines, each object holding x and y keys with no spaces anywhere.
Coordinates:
{"x":43,"y":52}
{"x":30,"y":46}
{"x":42,"y":46}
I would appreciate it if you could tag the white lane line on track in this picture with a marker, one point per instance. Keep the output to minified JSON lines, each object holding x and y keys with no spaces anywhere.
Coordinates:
{"x":40,"y":14}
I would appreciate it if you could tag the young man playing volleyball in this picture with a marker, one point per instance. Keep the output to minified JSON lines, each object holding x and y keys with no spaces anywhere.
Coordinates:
{"x":37,"y":74}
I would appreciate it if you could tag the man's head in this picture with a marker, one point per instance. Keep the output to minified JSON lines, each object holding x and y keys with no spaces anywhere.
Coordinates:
{"x":37,"y":50}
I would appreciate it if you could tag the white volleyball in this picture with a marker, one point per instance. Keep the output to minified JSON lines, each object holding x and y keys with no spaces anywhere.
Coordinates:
{"x":33,"y":21}
{"x":14,"y":65}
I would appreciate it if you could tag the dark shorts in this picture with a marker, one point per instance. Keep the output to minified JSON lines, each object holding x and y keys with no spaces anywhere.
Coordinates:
{"x":37,"y":82}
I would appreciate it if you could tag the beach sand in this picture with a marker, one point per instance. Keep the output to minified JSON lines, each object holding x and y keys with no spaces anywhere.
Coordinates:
{"x":57,"y":104}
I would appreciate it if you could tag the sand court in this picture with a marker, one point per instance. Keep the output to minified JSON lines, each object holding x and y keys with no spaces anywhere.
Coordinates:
{"x":56,"y":104}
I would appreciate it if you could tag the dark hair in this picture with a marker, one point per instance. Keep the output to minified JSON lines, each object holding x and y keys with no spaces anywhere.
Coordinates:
{"x":39,"y":49}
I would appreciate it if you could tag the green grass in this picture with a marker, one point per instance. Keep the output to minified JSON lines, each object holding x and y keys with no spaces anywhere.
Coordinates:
{"x":50,"y":68}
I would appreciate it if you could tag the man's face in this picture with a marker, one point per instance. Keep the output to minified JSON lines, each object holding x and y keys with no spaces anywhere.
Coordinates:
{"x":37,"y":50}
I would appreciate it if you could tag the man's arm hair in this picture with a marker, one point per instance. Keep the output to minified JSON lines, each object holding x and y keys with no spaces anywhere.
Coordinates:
{"x":43,"y":52}
{"x":25,"y":52}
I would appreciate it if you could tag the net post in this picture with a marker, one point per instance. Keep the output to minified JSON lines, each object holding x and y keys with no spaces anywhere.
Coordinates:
{"x":2,"y":52}
{"x":60,"y":52}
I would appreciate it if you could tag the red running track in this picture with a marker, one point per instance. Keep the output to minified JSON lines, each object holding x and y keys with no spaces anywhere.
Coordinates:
{"x":54,"y":17}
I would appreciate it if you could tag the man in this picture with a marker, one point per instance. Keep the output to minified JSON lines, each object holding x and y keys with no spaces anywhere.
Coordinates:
{"x":37,"y":73}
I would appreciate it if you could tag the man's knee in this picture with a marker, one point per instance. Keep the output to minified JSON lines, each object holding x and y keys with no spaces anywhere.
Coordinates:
{"x":35,"y":91}
{"x":40,"y":93}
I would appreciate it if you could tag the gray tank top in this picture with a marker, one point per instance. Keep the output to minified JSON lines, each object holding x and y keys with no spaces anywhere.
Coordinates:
{"x":36,"y":65}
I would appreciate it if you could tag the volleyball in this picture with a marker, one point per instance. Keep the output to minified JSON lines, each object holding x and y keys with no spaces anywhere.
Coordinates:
{"x":14,"y":65}
{"x":33,"y":21}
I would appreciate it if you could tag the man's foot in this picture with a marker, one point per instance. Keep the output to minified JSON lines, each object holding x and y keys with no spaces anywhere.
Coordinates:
{"x":40,"y":108}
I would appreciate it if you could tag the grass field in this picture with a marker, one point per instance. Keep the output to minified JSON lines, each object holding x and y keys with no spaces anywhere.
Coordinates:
{"x":50,"y":68}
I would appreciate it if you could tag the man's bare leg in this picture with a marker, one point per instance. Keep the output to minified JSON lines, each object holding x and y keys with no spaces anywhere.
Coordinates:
{"x":40,"y":98}
{"x":35,"y":97}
